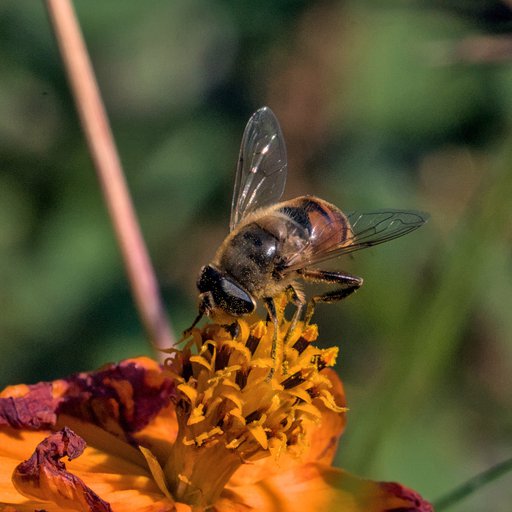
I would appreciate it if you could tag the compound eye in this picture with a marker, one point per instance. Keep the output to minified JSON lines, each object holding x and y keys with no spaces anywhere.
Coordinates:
{"x":236,"y":300}
{"x":226,"y":293}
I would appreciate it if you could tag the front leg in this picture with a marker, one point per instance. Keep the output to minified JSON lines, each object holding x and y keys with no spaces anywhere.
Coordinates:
{"x":187,"y":332}
{"x":348,"y":284}
{"x":205,"y":306}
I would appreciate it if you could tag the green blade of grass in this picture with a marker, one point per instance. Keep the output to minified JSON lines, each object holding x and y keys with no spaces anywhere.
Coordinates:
{"x":472,"y":485}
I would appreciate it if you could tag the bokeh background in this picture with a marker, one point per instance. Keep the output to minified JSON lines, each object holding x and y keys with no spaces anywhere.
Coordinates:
{"x":382,"y":104}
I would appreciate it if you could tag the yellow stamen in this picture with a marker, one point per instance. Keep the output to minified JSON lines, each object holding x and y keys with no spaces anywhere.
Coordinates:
{"x":229,"y":411}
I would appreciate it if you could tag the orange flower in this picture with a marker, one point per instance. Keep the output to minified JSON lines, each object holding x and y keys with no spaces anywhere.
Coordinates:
{"x":214,"y":429}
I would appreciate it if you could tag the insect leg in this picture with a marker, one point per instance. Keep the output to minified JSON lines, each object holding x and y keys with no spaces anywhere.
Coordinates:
{"x":187,"y":332}
{"x":271,"y":310}
{"x":298,"y":300}
{"x":348,"y":284}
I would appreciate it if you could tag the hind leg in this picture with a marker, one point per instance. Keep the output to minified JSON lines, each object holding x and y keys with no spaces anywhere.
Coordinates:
{"x":347,"y":284}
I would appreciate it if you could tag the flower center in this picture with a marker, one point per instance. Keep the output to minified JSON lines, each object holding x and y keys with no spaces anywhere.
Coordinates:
{"x":229,"y":412}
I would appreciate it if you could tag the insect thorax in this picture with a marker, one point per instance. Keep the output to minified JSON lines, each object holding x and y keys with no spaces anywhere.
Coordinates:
{"x":256,"y":254}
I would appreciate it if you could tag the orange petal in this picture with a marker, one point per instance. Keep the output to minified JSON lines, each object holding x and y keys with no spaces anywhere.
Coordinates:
{"x":324,"y":437}
{"x":119,"y":475}
{"x":130,"y":400}
{"x":15,"y":446}
{"x":159,"y":434}
{"x":319,"y":487}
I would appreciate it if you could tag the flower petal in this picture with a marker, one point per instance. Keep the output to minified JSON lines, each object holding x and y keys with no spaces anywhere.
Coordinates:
{"x":44,"y":477}
{"x":116,"y":475}
{"x":320,"y":487}
{"x":114,"y":409}
{"x":15,"y":446}
{"x":31,"y":407}
{"x":159,"y":434}
{"x":121,"y":398}
{"x":325,"y":437}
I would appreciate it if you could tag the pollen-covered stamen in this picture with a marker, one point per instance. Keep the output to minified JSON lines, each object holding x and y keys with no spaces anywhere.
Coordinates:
{"x":229,"y":412}
{"x":301,"y":344}
{"x":252,"y":343}
{"x":293,"y":380}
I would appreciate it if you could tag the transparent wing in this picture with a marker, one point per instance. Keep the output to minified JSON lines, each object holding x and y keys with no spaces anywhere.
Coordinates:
{"x":365,"y":229}
{"x":261,"y":172}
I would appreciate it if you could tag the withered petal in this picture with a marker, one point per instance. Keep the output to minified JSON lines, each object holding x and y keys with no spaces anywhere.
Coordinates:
{"x":34,"y":410}
{"x":416,"y":502}
{"x":44,"y":476}
{"x":120,"y":398}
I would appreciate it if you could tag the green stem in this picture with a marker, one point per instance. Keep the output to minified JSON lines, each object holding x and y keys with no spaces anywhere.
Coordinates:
{"x":472,"y":485}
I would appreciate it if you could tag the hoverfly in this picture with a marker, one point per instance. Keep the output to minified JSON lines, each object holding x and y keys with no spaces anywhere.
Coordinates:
{"x":272,"y":244}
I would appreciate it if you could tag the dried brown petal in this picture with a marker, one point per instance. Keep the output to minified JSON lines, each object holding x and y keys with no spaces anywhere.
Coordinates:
{"x":44,"y":476}
{"x":35,"y":410}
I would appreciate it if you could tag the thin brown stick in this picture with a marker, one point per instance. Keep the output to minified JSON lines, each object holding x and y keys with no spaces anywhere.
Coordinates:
{"x":106,"y":160}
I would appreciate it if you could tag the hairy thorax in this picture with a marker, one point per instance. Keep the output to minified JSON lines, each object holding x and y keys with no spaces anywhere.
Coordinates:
{"x":256,"y":253}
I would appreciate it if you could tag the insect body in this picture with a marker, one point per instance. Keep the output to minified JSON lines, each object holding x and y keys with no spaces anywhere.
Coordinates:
{"x":268,"y":251}
{"x":273,"y":244}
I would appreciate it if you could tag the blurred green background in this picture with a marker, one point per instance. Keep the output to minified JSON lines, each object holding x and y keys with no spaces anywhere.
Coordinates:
{"x":382,"y":104}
